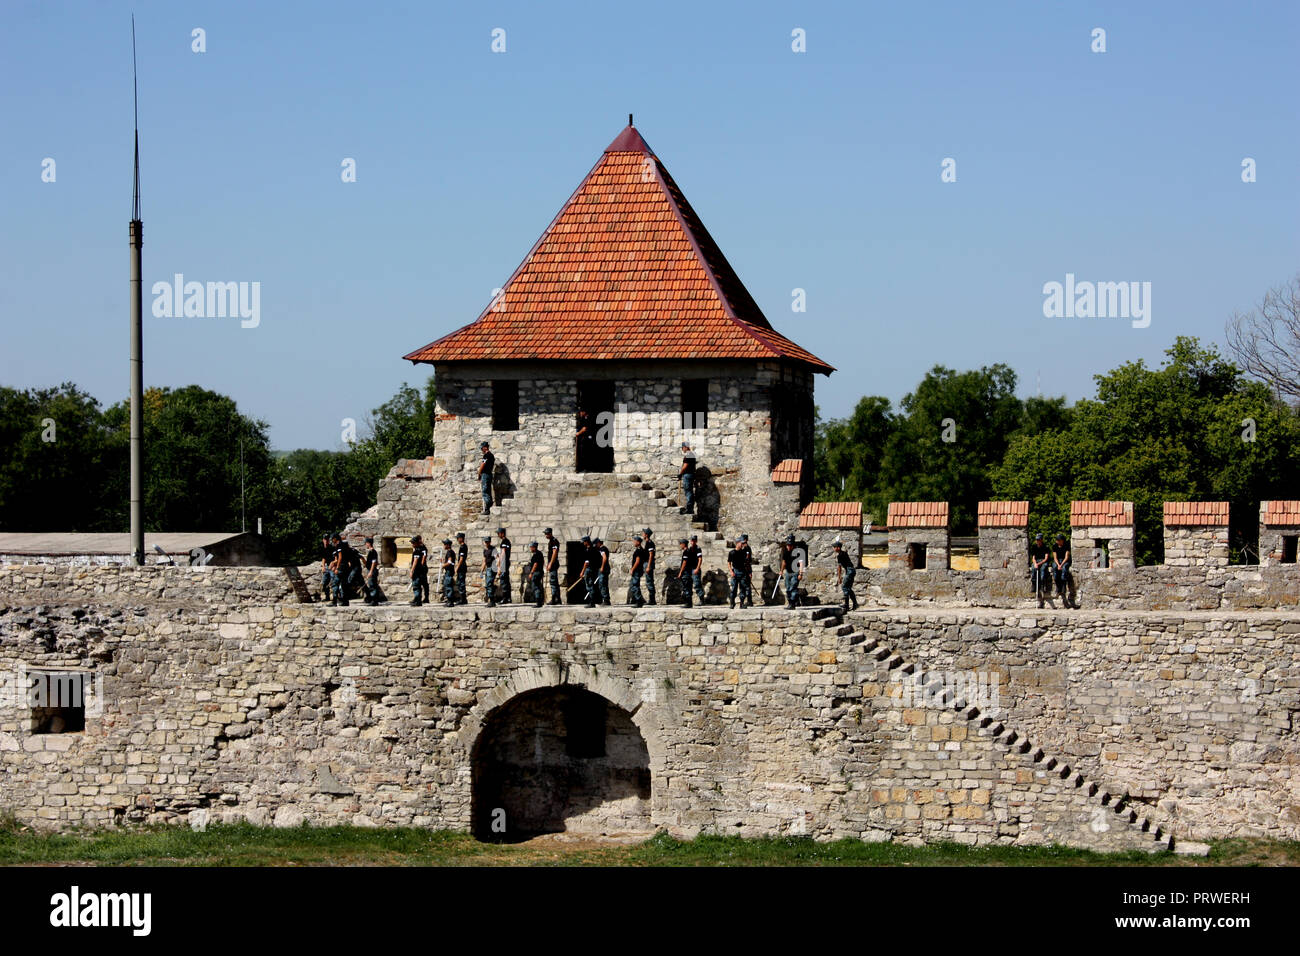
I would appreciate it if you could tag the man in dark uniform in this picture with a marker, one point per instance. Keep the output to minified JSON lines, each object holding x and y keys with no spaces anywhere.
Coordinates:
{"x":602,"y":570}
{"x":462,"y":567}
{"x":553,"y":565}
{"x":1039,"y":568}
{"x":790,"y":574}
{"x":590,"y":561}
{"x":736,"y":571}
{"x":339,"y":570}
{"x":687,"y":475}
{"x":487,"y":463}
{"x":534,"y":572}
{"x":489,"y":572}
{"x":845,"y":572}
{"x":692,"y":566}
{"x":419,"y":570}
{"x":370,"y":572}
{"x":649,"y":548}
{"x":747,"y":594}
{"x":637,"y":572}
{"x":586,"y":440}
{"x":448,"y":573}
{"x":503,"y":566}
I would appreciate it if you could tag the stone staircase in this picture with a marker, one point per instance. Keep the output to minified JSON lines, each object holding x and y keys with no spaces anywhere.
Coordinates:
{"x":612,"y":506}
{"x":998,"y":730}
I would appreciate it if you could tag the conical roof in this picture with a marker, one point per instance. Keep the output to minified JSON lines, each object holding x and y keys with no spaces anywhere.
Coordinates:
{"x":626,"y":270}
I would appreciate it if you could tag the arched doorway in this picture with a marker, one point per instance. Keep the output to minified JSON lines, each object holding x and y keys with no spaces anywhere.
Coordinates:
{"x":559,"y":759}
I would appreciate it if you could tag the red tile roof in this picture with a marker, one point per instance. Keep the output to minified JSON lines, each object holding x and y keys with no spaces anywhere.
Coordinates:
{"x":789,"y":470}
{"x":918,"y":514}
{"x":1196,"y":513}
{"x":1093,"y":514}
{"x":626,"y":270}
{"x":1004,"y":514}
{"x":832,"y":514}
{"x":1280,"y":513}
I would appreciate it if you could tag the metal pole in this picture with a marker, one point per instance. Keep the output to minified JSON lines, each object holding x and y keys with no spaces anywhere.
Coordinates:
{"x":137,"y":347}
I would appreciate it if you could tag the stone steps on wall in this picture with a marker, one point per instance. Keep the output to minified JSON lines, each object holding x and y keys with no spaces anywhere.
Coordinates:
{"x":996,"y":729}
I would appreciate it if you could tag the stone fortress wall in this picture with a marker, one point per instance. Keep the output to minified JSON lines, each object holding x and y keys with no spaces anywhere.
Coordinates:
{"x":1108,"y":729}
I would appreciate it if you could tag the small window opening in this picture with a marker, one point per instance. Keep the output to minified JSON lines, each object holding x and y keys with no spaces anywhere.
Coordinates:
{"x":1289,"y":548}
{"x":1103,"y":553}
{"x":916,"y":556}
{"x":505,"y":406}
{"x":695,"y":403}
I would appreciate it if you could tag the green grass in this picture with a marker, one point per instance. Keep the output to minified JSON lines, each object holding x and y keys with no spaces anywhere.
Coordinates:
{"x":245,"y":845}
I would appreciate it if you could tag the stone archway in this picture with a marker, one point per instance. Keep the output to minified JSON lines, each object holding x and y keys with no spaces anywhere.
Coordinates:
{"x":516,"y":742}
{"x":559,"y":759}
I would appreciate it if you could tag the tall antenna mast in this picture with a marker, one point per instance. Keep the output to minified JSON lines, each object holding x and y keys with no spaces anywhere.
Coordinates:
{"x":137,"y":350}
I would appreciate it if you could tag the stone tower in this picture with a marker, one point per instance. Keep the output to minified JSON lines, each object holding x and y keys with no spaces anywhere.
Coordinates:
{"x":626,"y":309}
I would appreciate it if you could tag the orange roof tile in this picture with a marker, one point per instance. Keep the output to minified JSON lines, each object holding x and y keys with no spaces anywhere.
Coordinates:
{"x":1280,"y":513}
{"x":831,"y":514}
{"x":1085,"y":514}
{"x":918,"y":514}
{"x":1004,"y":514}
{"x":1186,"y":513}
{"x":789,"y":471}
{"x":626,"y":270}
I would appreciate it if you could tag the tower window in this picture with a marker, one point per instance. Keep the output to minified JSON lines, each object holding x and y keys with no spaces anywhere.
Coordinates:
{"x":505,"y":406}
{"x":695,"y":403}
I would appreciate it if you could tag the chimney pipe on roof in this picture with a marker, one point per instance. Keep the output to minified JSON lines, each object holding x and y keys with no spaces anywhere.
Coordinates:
{"x":629,"y":119}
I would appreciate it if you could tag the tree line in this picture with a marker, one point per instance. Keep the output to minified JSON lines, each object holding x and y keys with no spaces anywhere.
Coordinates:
{"x":1196,"y":428}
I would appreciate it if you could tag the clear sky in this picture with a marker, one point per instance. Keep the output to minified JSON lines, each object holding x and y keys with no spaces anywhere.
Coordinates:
{"x":818,"y":170}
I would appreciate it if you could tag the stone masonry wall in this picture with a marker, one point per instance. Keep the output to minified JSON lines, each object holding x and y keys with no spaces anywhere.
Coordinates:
{"x":755,"y":722}
{"x":1187,"y":546}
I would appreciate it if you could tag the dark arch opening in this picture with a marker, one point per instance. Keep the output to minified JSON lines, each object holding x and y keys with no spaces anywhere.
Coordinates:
{"x":559,"y":759}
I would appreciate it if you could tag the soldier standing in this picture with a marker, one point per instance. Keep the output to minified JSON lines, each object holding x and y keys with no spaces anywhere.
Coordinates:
{"x":462,"y":567}
{"x":590,"y":560}
{"x":747,"y":583}
{"x":489,"y":572}
{"x":845,"y":572}
{"x":687,"y":474}
{"x":487,"y":463}
{"x":649,"y":548}
{"x":419,"y":570}
{"x":448,"y":573}
{"x":638,"y":570}
{"x":790,"y":574}
{"x":586,"y":440}
{"x":736,"y":567}
{"x":370,"y":572}
{"x":553,"y":565}
{"x":503,"y":565}
{"x":602,"y":570}
{"x":535,"y":573}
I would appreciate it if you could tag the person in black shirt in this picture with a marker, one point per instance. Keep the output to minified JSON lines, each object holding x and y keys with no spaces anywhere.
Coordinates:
{"x":845,"y":572}
{"x":692,"y":566}
{"x":339,"y":566}
{"x":489,"y":572}
{"x":462,"y":567}
{"x":638,"y":571}
{"x":1039,"y":568}
{"x":1061,"y":562}
{"x":747,"y":592}
{"x":503,"y":566}
{"x":370,"y":572}
{"x":688,"y":478}
{"x":586,"y":441}
{"x":791,"y":574}
{"x":590,"y":562}
{"x":649,"y":547}
{"x":419,"y":571}
{"x":326,"y":556}
{"x":534,"y":572}
{"x":553,"y":565}
{"x":602,"y":570}
{"x":485,"y":467}
{"x":448,"y":565}
{"x":736,"y":571}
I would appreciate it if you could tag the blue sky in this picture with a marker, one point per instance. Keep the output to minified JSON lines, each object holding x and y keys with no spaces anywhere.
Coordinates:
{"x":816,"y":170}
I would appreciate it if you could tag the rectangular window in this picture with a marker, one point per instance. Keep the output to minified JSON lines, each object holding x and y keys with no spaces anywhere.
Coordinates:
{"x":1289,"y":548}
{"x":505,"y":406}
{"x":916,"y":556}
{"x":58,"y":701}
{"x":695,"y":403}
{"x":1103,"y":553}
